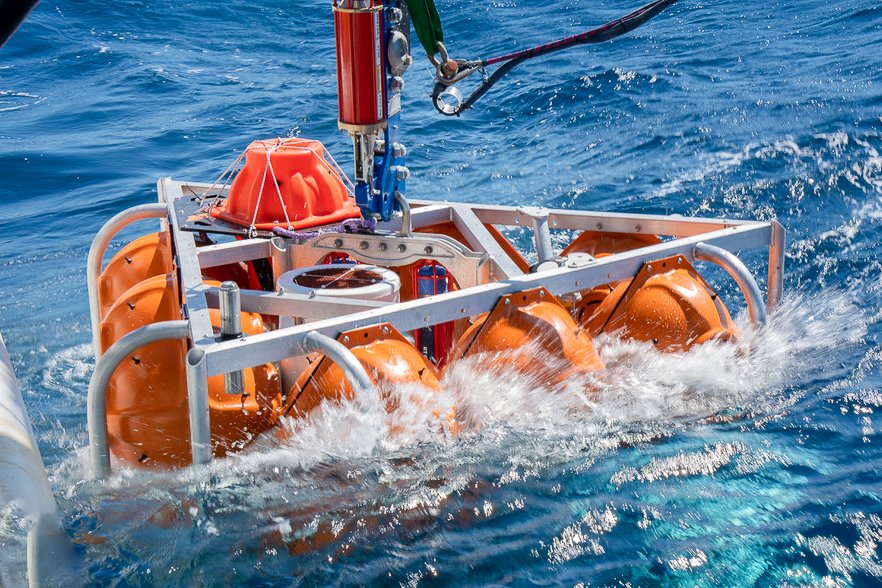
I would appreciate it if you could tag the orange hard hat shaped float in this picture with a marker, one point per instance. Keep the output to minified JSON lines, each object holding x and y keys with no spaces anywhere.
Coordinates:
{"x":286,"y":183}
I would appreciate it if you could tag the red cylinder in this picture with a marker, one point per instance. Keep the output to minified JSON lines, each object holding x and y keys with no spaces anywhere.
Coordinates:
{"x":361,"y":80}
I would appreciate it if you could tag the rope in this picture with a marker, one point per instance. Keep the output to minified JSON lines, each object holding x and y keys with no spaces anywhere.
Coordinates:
{"x":355,"y":225}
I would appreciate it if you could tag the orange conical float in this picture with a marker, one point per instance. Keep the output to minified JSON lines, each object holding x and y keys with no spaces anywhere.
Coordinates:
{"x":147,"y":410}
{"x":532,"y":333}
{"x":286,"y":180}
{"x":390,"y":360}
{"x":143,"y":258}
{"x":668,"y":304}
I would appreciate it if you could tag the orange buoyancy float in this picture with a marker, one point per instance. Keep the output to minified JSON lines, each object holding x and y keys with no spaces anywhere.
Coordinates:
{"x":286,"y":183}
{"x":390,"y":360}
{"x":147,"y":410}
{"x":531,"y":332}
{"x":668,"y":304}
{"x":143,"y":258}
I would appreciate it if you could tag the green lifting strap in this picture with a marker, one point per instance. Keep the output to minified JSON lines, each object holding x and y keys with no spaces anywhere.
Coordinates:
{"x":427,"y":24}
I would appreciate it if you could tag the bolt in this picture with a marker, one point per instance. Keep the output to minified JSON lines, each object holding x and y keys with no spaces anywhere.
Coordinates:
{"x":399,"y":150}
{"x":385,"y":330}
{"x":428,"y":250}
{"x":397,"y":83}
{"x":395,"y":15}
{"x":338,"y":242}
{"x":346,"y":338}
{"x":649,"y":268}
{"x":363,"y":245}
{"x":402,"y":248}
{"x":507,"y":301}
{"x":382,"y":246}
{"x":541,"y":293}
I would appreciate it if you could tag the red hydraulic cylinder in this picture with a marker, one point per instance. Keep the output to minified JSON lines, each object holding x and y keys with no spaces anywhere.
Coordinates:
{"x":361,"y":80}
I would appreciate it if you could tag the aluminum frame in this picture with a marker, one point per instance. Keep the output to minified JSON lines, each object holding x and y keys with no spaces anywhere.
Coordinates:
{"x":495,"y":274}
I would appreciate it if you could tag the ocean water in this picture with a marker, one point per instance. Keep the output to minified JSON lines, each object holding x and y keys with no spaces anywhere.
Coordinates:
{"x":719,"y":467}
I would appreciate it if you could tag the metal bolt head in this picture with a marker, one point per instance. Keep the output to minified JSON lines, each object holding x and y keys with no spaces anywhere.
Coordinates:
{"x":649,"y":268}
{"x":397,"y":83}
{"x":383,"y":246}
{"x":363,"y":245}
{"x":399,"y":150}
{"x":338,"y":242}
{"x":428,"y":250}
{"x":541,"y":293}
{"x":402,"y":248}
{"x":346,"y":338}
{"x":395,"y":15}
{"x":402,"y":172}
{"x":507,"y":301}
{"x":385,"y":330}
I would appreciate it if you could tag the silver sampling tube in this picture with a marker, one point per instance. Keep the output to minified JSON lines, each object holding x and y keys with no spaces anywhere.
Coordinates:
{"x":231,"y":328}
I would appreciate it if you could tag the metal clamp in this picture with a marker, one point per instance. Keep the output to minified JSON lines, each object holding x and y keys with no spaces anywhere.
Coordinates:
{"x":739,"y":272}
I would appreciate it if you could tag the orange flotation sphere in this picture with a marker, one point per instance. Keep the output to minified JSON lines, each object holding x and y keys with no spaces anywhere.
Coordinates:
{"x":668,"y":304}
{"x":286,"y":179}
{"x":147,"y":410}
{"x":143,"y":258}
{"x":390,"y":360}
{"x":532,"y":333}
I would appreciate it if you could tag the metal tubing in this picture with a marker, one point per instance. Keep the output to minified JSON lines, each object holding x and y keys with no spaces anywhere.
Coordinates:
{"x":542,"y":236}
{"x":24,"y":482}
{"x":197,"y":396}
{"x":300,"y":305}
{"x":343,"y":357}
{"x":281,"y":258}
{"x":231,"y":328}
{"x":735,"y":268}
{"x":105,"y":367}
{"x":777,"y":250}
{"x":95,"y":261}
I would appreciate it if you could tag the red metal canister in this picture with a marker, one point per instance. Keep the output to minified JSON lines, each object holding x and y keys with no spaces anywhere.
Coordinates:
{"x":361,"y":87}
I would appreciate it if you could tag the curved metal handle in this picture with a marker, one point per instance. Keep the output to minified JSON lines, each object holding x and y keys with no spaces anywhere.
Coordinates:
{"x":95,"y":260}
{"x":341,"y":355}
{"x":96,"y":401}
{"x":736,"y":268}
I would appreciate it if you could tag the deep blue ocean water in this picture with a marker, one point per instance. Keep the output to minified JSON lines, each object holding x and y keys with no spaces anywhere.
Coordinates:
{"x":713,"y":468}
